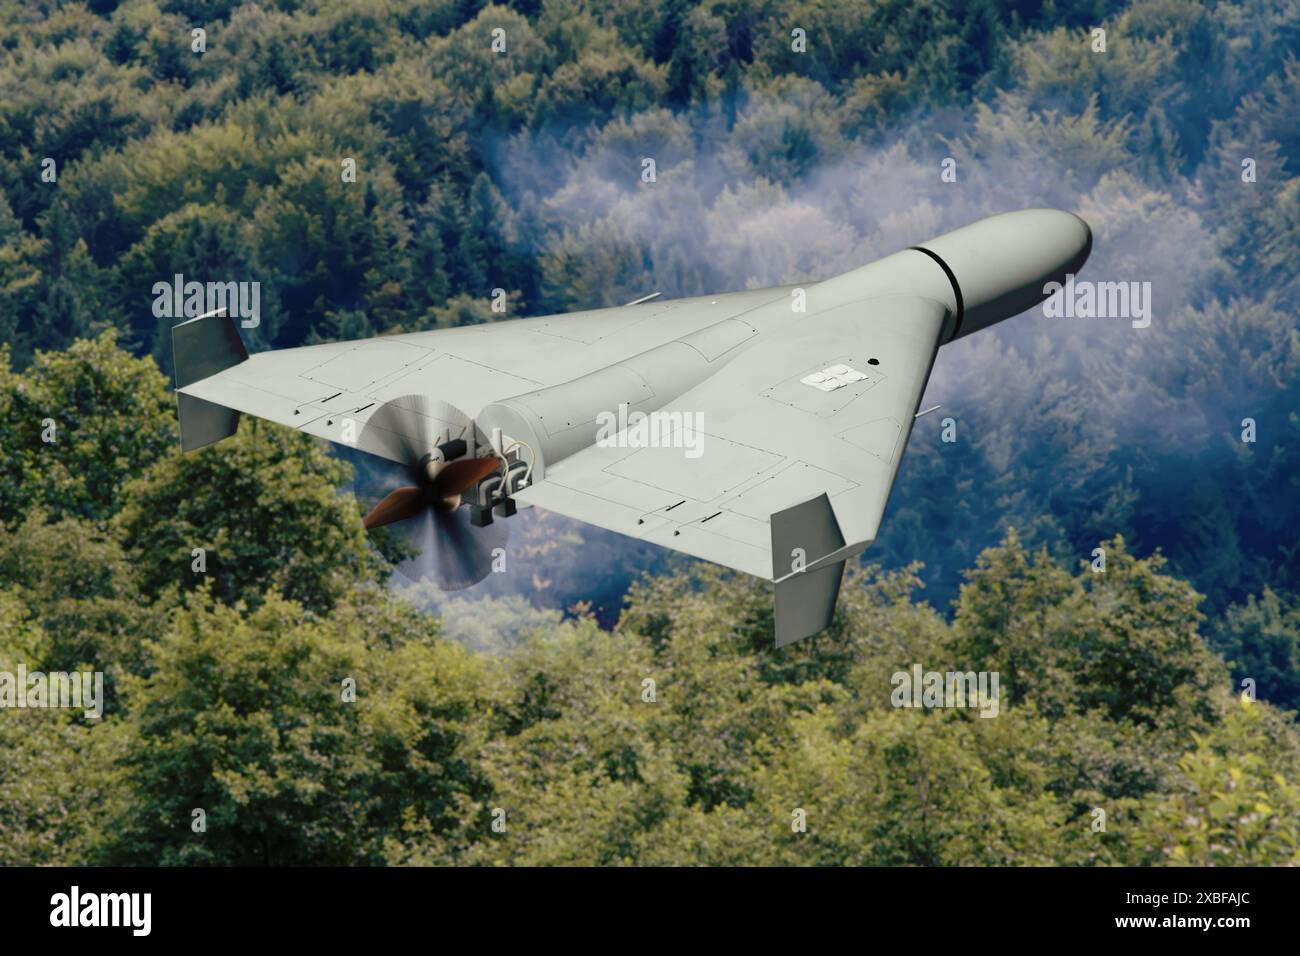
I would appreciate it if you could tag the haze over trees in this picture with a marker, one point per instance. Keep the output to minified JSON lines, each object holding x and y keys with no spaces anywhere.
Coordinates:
{"x":522,"y":171}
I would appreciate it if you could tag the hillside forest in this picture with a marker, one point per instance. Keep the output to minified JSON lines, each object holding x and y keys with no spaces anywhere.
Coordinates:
{"x":606,"y":702}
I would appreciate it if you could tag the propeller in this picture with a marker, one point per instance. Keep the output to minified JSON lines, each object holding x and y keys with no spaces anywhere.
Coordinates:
{"x":426,"y":435}
{"x":441,"y":490}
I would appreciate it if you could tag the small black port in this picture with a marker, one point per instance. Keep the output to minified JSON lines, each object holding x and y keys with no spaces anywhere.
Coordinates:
{"x":456,"y":448}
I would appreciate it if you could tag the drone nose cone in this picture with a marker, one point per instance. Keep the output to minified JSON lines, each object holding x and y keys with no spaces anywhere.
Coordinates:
{"x":1085,"y":244}
{"x":1001,"y":264}
{"x":1067,"y":237}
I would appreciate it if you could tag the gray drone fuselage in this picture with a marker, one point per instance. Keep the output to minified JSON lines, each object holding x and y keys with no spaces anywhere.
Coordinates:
{"x":980,"y":274}
{"x":803,"y":398}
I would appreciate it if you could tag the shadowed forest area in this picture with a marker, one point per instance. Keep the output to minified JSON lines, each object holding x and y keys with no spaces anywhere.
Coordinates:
{"x":514,"y":724}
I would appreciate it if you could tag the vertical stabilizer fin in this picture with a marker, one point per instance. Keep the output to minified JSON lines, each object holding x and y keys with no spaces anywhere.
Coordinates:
{"x":200,"y":348}
{"x":807,"y":586}
{"x":204,"y":422}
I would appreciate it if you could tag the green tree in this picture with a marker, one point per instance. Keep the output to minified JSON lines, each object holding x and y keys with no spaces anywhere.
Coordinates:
{"x":108,"y":417}
{"x":82,"y":591}
{"x":1233,"y":805}
{"x":57,"y":773}
{"x":248,"y":717}
{"x":264,"y":507}
{"x":1261,"y":641}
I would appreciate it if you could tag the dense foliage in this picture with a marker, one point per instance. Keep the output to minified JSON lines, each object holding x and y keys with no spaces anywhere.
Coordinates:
{"x":314,"y":717}
{"x":522,"y":171}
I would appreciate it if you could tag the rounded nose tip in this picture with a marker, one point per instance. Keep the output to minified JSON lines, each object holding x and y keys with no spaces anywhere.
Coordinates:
{"x":1066,"y":235}
{"x":1064,"y":229}
{"x":1084,"y":231}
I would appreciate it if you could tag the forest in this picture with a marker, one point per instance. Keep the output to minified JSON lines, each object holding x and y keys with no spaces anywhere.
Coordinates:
{"x":604,"y":703}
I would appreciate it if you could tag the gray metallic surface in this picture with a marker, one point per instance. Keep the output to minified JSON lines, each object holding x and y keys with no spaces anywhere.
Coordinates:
{"x":779,"y":429}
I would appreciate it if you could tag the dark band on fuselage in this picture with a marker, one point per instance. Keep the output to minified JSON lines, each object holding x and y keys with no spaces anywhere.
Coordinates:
{"x":956,"y":290}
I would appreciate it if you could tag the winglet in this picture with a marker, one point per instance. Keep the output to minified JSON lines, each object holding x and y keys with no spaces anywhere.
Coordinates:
{"x":200,"y":348}
{"x":807,"y":584}
{"x":204,"y":422}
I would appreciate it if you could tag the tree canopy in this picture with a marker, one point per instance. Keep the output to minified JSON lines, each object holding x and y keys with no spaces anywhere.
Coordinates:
{"x":385,"y":166}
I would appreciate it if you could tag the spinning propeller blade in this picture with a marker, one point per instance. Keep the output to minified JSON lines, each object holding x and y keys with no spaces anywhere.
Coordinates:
{"x":424,"y":510}
{"x":460,"y":476}
{"x":396,"y":506}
